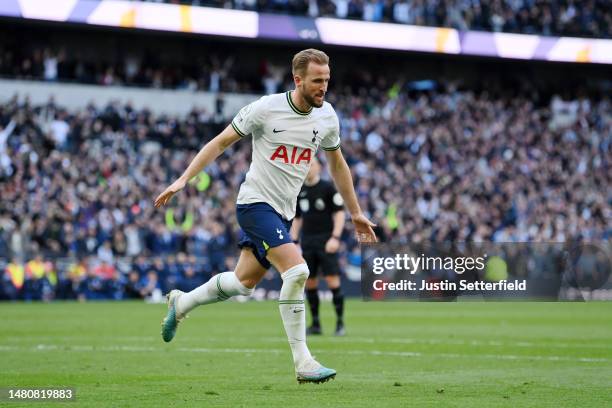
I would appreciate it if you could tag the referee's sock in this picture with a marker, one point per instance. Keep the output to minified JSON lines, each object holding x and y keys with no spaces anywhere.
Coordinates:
{"x":313,"y":301}
{"x":338,"y":300}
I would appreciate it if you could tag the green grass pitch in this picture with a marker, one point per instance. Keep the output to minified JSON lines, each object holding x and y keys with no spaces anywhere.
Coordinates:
{"x":236,"y":355}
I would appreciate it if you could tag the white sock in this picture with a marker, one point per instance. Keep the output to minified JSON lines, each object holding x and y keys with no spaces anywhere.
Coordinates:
{"x":219,"y":288}
{"x":291,"y":305}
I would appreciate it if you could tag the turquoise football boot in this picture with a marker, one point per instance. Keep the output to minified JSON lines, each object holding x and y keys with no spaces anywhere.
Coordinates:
{"x":172,"y":319}
{"x":314,"y":372}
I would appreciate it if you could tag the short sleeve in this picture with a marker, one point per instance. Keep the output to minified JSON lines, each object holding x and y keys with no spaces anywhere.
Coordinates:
{"x":249,"y":118}
{"x":331,"y":141}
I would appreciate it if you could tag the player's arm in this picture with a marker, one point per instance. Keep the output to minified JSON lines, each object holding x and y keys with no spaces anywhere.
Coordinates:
{"x":341,"y":174}
{"x":205,"y":156}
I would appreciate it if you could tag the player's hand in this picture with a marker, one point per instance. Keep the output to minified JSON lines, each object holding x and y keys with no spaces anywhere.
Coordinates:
{"x":363,"y":228}
{"x":332,"y":245}
{"x":172,"y":189}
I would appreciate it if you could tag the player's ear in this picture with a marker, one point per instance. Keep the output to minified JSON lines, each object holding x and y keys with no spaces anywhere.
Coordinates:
{"x":297,"y":80}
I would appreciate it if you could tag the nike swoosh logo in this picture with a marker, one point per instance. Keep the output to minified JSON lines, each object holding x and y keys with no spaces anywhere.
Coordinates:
{"x":278,"y":131}
{"x":298,"y":310}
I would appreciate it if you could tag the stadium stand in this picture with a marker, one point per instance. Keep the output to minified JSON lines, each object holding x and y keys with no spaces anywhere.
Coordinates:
{"x":592,"y":18}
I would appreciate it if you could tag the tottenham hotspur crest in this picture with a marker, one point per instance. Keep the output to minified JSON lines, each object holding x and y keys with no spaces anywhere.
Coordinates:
{"x":314,"y":136}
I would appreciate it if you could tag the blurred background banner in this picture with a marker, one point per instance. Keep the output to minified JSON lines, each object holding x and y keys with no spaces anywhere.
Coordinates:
{"x":333,"y":31}
{"x":487,"y":271}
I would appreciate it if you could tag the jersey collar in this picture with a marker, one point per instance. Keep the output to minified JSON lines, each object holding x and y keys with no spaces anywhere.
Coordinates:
{"x":295,"y":108}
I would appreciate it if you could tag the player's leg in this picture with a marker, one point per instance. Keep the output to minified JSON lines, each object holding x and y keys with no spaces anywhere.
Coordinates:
{"x":312,"y":291}
{"x":331,"y":271}
{"x":268,"y":234}
{"x":225,"y":285}
{"x":294,"y":272}
{"x":220,"y":287}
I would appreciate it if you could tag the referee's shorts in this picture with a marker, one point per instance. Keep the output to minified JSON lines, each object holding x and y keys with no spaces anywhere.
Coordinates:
{"x":313,"y":251}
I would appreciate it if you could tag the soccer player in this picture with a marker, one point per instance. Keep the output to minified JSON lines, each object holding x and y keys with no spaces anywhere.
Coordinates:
{"x":287,"y":129}
{"x":320,"y":220}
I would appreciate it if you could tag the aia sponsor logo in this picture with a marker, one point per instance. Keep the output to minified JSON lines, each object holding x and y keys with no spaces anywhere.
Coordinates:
{"x":292,"y":155}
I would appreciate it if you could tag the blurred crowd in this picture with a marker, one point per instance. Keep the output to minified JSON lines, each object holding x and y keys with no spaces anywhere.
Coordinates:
{"x":209,"y":72}
{"x":77,"y":221}
{"x":91,"y":278}
{"x":590,"y":18}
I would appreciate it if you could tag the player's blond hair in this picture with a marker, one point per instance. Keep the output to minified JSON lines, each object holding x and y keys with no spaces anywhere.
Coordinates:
{"x":303,"y":58}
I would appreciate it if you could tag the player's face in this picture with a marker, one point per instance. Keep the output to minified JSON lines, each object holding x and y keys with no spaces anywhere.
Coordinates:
{"x":313,"y":85}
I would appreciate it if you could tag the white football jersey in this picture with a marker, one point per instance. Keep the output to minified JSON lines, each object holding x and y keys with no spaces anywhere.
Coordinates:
{"x":285,"y":141}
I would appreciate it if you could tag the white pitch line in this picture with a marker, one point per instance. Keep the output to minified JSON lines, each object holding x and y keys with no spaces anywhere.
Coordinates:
{"x":457,"y":342}
{"x":228,"y":350}
{"x":351,"y":339}
{"x":124,"y":348}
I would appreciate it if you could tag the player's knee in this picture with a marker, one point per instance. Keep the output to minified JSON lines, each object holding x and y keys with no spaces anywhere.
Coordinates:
{"x":246,"y":291}
{"x":248,"y":283}
{"x":244,"y":286}
{"x":296,"y":274}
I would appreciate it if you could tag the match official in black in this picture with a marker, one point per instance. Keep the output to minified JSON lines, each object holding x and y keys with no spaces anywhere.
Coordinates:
{"x":319,"y":222}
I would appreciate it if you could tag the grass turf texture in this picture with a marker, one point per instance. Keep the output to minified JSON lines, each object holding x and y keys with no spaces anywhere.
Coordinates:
{"x":233,"y":355}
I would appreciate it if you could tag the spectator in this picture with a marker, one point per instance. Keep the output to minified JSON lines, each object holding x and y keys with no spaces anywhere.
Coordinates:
{"x":105,"y":270}
{"x":141,"y":266}
{"x":190,"y":280}
{"x":92,"y":287}
{"x":50,"y":66}
{"x":150,"y":286}
{"x":34,"y":275}
{"x":69,"y":282}
{"x":13,"y":279}
{"x":105,"y":253}
{"x":133,"y":288}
